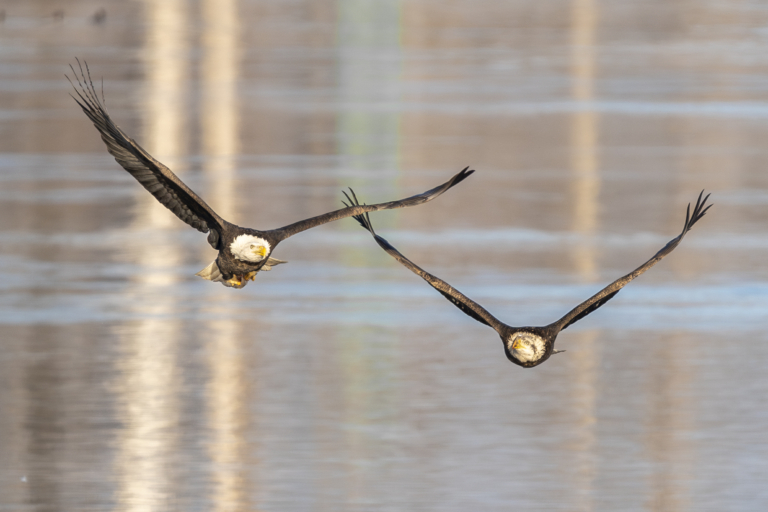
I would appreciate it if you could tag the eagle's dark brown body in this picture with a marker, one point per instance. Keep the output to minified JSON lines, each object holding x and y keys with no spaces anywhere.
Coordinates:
{"x":228,"y":264}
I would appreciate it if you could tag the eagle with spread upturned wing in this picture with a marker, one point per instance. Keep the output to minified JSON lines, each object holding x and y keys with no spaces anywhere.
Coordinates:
{"x":531,"y":346}
{"x":242,"y":251}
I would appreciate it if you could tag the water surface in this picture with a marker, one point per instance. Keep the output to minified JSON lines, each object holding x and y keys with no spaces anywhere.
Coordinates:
{"x":341,"y":381}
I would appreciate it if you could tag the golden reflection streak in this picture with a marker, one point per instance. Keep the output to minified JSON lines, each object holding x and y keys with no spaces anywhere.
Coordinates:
{"x":585,"y":403}
{"x":586,"y":189}
{"x":149,"y":385}
{"x":584,"y":129}
{"x":227,"y":396}
{"x":166,"y":123}
{"x":148,"y":388}
{"x":670,"y":419}
{"x":220,"y":121}
{"x":227,"y":389}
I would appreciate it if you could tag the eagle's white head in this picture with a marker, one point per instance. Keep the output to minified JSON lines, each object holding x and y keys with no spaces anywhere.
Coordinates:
{"x":526,"y":347}
{"x":250,"y":248}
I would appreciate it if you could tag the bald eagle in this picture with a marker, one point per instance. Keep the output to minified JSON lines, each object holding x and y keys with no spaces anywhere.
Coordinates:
{"x":531,"y":346}
{"x":242,"y":251}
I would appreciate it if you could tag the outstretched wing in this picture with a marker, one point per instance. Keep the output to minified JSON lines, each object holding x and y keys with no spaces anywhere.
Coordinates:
{"x":351,"y":211}
{"x":612,"y":289}
{"x":461,"y":301}
{"x":154,"y":176}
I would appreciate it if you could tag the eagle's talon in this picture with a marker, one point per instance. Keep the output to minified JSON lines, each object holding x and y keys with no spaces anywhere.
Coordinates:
{"x":235,"y":281}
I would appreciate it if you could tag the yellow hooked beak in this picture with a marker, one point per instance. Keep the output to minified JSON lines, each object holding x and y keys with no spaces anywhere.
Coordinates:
{"x":260,"y":251}
{"x":517,"y":345}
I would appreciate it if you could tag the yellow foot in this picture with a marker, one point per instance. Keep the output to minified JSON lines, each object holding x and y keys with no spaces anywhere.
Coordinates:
{"x":250,"y":276}
{"x":235,"y":282}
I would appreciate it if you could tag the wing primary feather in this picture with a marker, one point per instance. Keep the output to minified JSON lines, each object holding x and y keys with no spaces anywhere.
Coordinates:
{"x":160,"y":181}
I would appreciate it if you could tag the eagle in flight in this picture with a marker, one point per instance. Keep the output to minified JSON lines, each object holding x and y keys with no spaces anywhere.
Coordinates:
{"x":531,"y":346}
{"x":242,"y":251}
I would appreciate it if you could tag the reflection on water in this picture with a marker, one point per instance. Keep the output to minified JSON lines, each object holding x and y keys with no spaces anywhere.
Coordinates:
{"x":341,"y":381}
{"x":585,"y":134}
{"x":585,"y":193}
{"x":149,"y":391}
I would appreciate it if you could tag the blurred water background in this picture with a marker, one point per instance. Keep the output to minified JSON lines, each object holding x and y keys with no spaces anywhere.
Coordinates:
{"x":341,"y":381}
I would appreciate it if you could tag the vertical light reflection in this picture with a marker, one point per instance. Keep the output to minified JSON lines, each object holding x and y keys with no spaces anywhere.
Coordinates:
{"x":358,"y":373}
{"x":227,"y":390}
{"x":228,"y":417}
{"x":167,"y":73}
{"x":586,"y":189}
{"x":585,"y":403}
{"x":148,"y":388}
{"x":369,"y":73}
{"x":220,"y":130}
{"x":670,"y":419}
{"x":149,"y":383}
{"x":584,"y":127}
{"x":369,"y":137}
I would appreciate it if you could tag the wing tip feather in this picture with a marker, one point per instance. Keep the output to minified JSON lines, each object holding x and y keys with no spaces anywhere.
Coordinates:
{"x":363,"y":219}
{"x":699,"y":211}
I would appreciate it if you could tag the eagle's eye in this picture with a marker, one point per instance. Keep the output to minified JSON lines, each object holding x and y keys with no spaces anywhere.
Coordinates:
{"x":253,"y":246}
